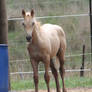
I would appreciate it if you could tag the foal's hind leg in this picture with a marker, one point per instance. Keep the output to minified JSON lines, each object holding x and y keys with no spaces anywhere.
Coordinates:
{"x":55,"y":74}
{"x":62,"y":72}
{"x":61,"y":69}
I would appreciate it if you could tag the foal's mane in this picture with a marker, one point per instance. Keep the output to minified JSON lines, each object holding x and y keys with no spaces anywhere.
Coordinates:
{"x":38,"y":24}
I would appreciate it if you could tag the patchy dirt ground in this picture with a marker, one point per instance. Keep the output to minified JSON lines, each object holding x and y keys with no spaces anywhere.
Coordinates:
{"x":68,"y":90}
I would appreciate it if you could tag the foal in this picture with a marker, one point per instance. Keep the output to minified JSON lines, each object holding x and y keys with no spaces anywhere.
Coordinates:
{"x":47,"y":43}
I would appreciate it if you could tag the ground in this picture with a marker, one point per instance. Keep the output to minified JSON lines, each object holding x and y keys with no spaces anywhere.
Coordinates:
{"x":68,"y":90}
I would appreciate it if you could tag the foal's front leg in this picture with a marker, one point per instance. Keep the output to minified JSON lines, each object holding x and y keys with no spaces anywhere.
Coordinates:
{"x":35,"y":71}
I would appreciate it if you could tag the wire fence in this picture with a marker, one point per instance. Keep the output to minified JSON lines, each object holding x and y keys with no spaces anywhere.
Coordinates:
{"x":68,"y":56}
{"x":73,"y":70}
{"x":44,"y":17}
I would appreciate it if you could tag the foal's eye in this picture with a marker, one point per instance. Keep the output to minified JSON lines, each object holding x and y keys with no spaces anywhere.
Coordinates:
{"x":23,"y":24}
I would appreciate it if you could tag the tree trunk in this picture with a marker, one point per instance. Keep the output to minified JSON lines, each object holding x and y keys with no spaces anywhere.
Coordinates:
{"x":3,"y":23}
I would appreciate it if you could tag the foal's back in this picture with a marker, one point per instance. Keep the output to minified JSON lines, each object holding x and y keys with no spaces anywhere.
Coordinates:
{"x":52,"y":27}
{"x":55,"y":35}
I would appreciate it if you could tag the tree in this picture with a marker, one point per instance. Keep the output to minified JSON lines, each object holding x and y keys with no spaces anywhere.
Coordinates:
{"x":3,"y":23}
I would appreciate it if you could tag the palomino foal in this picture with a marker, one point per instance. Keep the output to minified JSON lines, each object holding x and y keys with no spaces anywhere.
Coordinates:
{"x":47,"y":43}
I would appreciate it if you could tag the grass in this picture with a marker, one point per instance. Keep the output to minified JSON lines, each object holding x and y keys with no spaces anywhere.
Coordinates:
{"x":72,"y":82}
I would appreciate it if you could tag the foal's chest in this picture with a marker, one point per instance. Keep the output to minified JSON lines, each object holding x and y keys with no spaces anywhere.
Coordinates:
{"x":35,"y":52}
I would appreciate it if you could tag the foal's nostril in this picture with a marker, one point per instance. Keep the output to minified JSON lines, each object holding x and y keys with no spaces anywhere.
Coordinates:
{"x":28,"y":38}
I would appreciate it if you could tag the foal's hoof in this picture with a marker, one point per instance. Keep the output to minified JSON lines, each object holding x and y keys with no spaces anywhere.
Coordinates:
{"x":64,"y":90}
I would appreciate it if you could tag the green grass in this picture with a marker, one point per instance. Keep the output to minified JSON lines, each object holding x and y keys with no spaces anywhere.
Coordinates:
{"x":69,"y":82}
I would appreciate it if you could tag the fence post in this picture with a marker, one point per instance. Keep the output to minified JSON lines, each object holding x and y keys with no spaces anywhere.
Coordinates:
{"x":83,"y":59}
{"x":90,"y":14}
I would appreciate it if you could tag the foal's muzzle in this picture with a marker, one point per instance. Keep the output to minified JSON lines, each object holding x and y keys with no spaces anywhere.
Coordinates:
{"x":28,"y":38}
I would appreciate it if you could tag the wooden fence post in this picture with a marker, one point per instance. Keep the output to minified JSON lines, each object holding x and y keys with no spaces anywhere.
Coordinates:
{"x":90,"y":14}
{"x":83,"y":59}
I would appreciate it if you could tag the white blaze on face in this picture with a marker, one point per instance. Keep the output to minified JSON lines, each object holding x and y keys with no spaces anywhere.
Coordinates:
{"x":29,"y":32}
{"x":28,"y":14}
{"x":29,"y":27}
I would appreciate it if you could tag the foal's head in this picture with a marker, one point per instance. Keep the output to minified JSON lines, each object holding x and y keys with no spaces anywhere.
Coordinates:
{"x":28,"y":23}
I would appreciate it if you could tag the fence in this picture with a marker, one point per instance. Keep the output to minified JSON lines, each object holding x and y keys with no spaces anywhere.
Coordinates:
{"x":75,"y":25}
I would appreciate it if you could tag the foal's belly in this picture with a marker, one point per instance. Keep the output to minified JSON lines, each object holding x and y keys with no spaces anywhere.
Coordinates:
{"x":55,"y":45}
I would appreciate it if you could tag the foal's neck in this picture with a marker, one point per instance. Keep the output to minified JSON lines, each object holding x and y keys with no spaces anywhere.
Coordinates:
{"x":36,"y":33}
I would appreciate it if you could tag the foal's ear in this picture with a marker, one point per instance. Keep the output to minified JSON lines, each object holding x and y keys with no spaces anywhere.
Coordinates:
{"x":32,"y":12}
{"x":23,"y":12}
